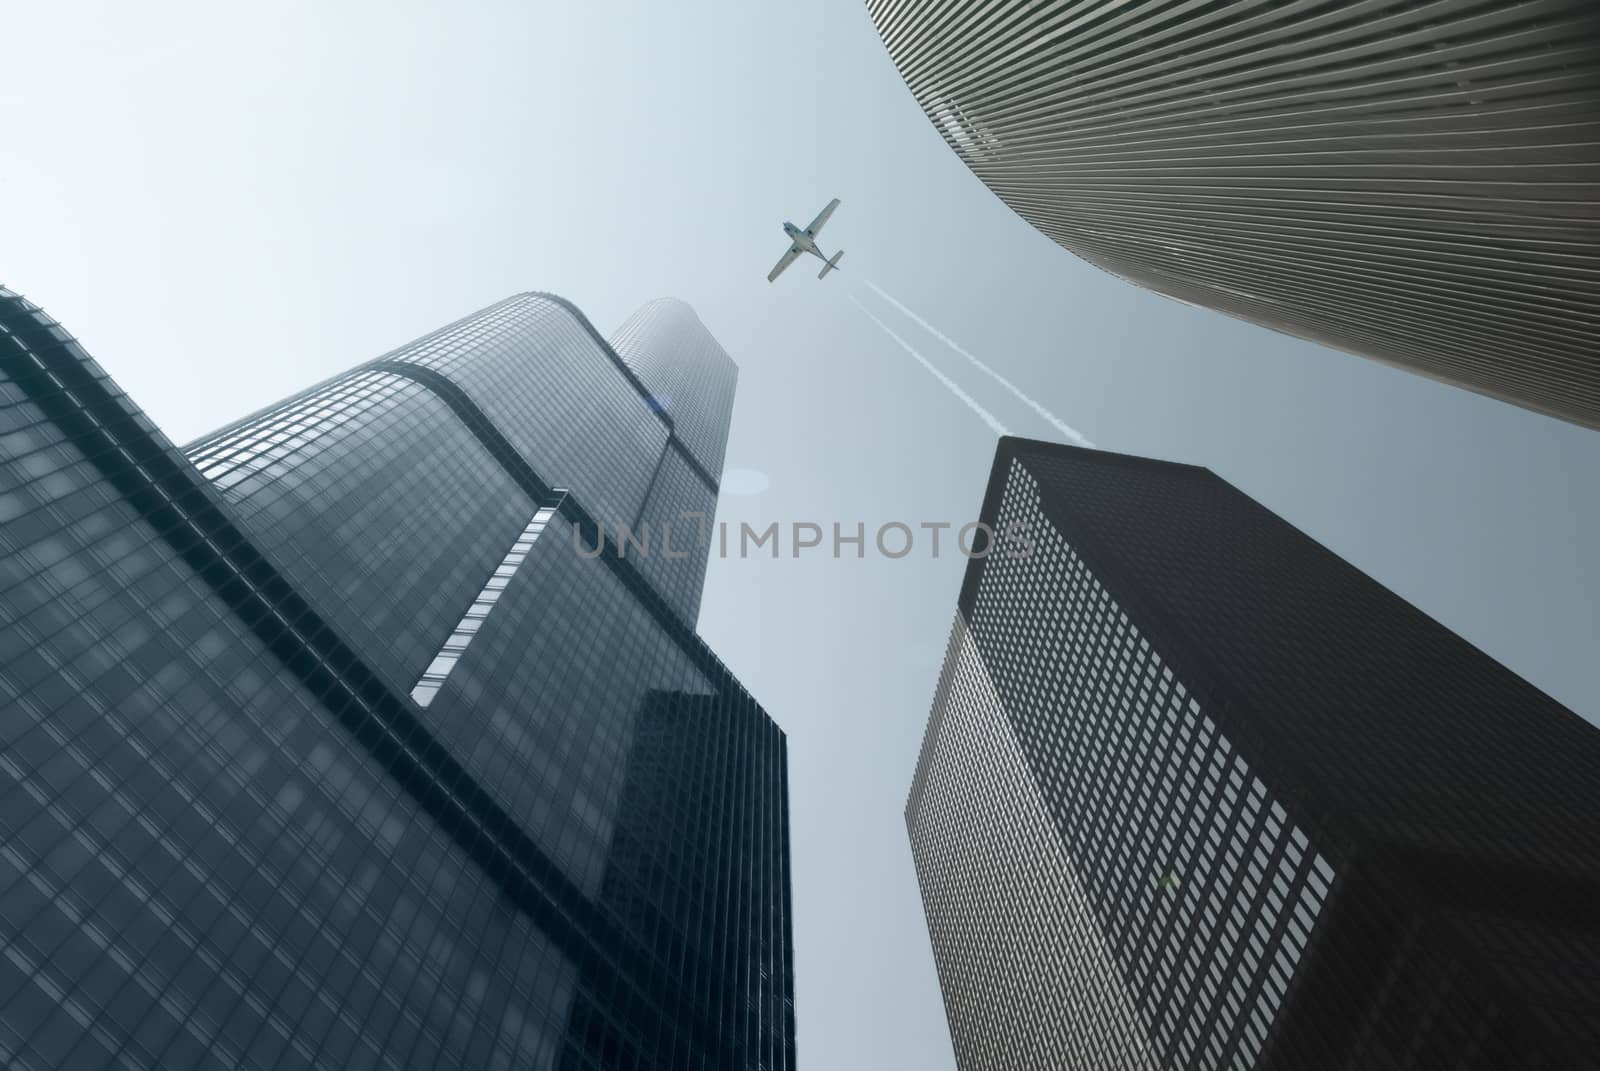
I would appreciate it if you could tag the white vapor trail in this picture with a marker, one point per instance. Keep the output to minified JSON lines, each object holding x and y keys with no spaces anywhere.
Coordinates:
{"x":987,"y":417}
{"x":1060,"y":425}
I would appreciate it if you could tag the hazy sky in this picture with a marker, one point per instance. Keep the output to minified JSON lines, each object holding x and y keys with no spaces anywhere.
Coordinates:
{"x":226,"y":203}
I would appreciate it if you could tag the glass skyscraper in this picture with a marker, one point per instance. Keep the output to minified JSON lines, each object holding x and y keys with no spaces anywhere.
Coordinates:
{"x":1196,"y":793}
{"x":1413,"y":180}
{"x":352,"y":736}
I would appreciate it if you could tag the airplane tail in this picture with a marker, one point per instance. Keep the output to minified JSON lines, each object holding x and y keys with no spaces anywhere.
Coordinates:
{"x":833,"y":262}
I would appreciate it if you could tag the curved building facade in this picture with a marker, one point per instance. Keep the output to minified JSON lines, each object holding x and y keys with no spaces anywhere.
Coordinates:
{"x":323,"y":746}
{"x":1416,"y":182}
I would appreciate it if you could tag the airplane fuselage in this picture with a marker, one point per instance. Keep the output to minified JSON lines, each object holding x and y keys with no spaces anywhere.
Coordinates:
{"x":801,"y":239}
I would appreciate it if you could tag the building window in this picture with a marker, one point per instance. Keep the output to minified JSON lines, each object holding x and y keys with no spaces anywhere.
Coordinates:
{"x":433,"y":677}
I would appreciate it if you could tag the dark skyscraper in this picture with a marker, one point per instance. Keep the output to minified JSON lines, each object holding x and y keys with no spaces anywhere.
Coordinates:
{"x":1413,"y":181}
{"x":1196,"y":793}
{"x":324,"y":746}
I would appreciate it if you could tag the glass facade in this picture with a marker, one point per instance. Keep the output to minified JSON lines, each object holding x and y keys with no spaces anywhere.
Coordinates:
{"x":438,"y":670}
{"x":1196,"y":794}
{"x":233,"y":832}
{"x":691,"y":382}
{"x":1412,"y":180}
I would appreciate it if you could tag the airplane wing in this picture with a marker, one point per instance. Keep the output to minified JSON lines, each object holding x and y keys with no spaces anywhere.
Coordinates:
{"x":822,"y":217}
{"x":783,"y":262}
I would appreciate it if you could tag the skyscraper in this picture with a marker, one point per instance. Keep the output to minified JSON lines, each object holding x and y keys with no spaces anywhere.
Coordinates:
{"x":1196,"y":793}
{"x":1411,"y":181}
{"x":343,"y":737}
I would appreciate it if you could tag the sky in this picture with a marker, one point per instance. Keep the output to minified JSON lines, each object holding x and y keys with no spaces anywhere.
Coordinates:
{"x":226,"y":203}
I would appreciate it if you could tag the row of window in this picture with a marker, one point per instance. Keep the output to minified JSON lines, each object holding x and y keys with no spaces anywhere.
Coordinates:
{"x":455,"y":644}
{"x":280,"y":433}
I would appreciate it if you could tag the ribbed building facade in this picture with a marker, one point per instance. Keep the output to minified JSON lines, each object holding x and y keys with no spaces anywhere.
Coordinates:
{"x":345,"y":737}
{"x":1196,"y":793}
{"x":1416,"y":181}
